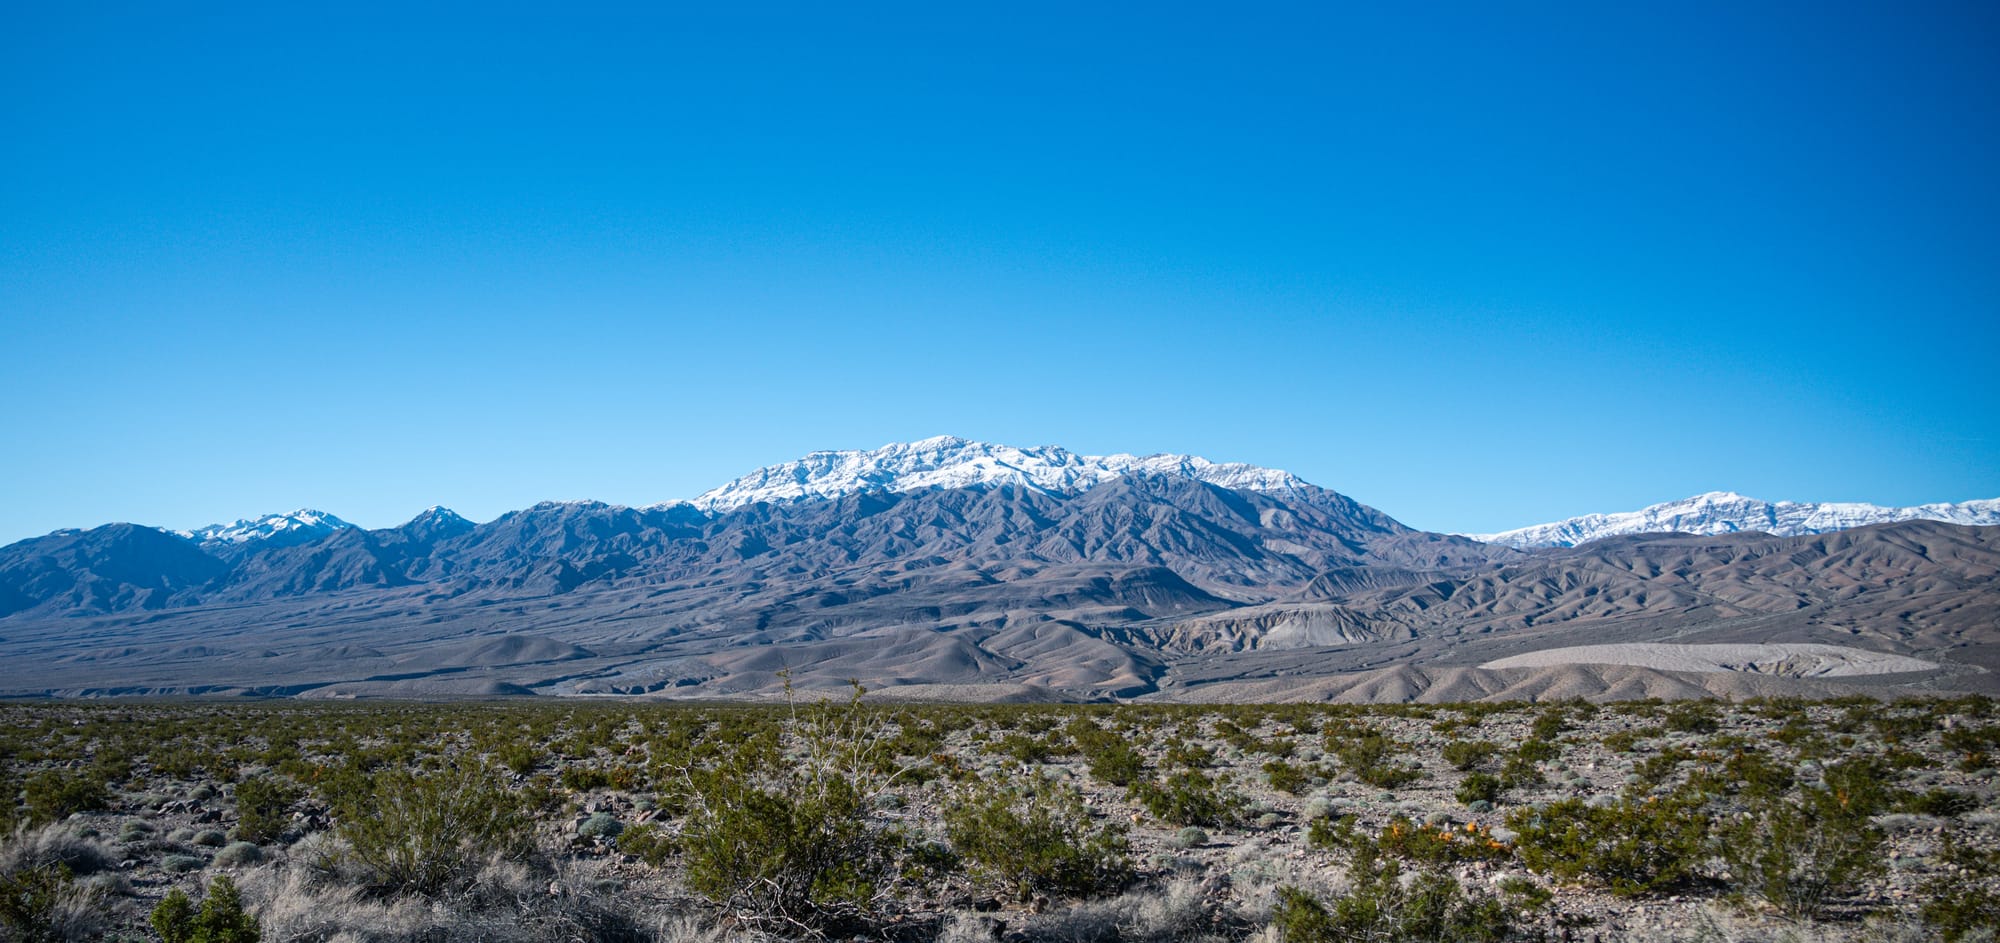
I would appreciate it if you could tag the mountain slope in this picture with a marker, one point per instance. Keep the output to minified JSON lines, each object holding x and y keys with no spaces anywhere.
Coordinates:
{"x":1723,"y":512}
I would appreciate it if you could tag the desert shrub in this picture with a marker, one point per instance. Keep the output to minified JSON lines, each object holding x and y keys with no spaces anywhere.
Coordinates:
{"x":1187,"y":754}
{"x":1945,"y":803}
{"x":518,"y":757}
{"x":427,"y":832}
{"x":1537,"y":750}
{"x":600,"y":824}
{"x":578,"y":778}
{"x":210,"y":838}
{"x":1633,"y":846}
{"x":1023,"y":748}
{"x":1798,"y":854}
{"x":648,"y":843}
{"x":1746,"y":772}
{"x":1548,"y":725}
{"x":46,"y":904}
{"x":1864,"y":783}
{"x":1962,"y":897}
{"x":1655,"y":770}
{"x":1286,"y":777}
{"x":238,"y":854}
{"x":796,"y":840}
{"x":1621,"y":741}
{"x":53,"y":846}
{"x":54,"y":795}
{"x":1367,"y":756}
{"x":262,"y":804}
{"x":182,"y":864}
{"x":1382,"y":908}
{"x":1038,"y":840}
{"x":219,"y":920}
{"x":1693,"y":717}
{"x":1429,"y":844}
{"x":1975,"y":746}
{"x":1466,"y":754}
{"x":1189,"y":798}
{"x":1479,"y":787}
{"x":1115,"y":763}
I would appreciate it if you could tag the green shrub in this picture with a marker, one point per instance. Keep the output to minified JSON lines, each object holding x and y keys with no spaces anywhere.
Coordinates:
{"x":1693,"y":717}
{"x":1116,"y":764}
{"x":428,"y":833}
{"x":263,"y":805}
{"x":1436,"y":846}
{"x":1367,"y":756}
{"x":54,"y":795}
{"x":1945,"y":803}
{"x":1039,"y":840}
{"x":794,"y":840}
{"x":1189,"y":798}
{"x":1286,"y":777}
{"x":519,"y":758}
{"x":1479,"y":787}
{"x":220,"y":920}
{"x":648,"y":843}
{"x":1621,"y":741}
{"x":1466,"y":754}
{"x":801,"y":854}
{"x":1799,"y":854}
{"x":1634,"y":846}
{"x":1964,"y":895}
{"x":46,"y":904}
{"x":1433,"y":908}
{"x":1023,"y":748}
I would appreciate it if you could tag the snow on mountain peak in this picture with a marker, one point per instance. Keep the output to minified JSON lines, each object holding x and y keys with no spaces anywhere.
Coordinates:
{"x":1726,"y":512}
{"x":943,"y":462}
{"x":302,"y":523}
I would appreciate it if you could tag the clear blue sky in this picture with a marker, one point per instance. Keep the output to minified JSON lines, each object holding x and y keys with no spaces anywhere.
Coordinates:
{"x":1476,"y":267}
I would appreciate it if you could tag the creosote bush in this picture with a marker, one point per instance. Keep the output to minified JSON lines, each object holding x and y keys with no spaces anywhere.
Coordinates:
{"x":1039,"y":839}
{"x":1633,"y":846}
{"x":1798,"y":854}
{"x":1963,"y":899}
{"x":797,"y":840}
{"x":46,"y":904}
{"x":1383,"y":908}
{"x":262,"y":808}
{"x":1189,"y":798}
{"x":54,"y":795}
{"x":428,"y":832}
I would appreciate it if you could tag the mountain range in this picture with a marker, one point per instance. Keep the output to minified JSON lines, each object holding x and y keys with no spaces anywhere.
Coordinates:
{"x":946,"y":568}
{"x":1725,"y":512}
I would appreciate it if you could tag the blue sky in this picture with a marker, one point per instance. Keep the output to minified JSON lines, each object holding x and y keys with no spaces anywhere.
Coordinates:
{"x":1476,"y":267}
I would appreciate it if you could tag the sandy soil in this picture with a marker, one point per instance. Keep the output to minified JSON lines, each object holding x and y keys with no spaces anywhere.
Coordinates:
{"x":1792,"y":661}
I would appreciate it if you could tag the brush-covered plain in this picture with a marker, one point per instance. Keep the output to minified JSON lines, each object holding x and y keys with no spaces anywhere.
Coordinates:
{"x":1300,"y":823}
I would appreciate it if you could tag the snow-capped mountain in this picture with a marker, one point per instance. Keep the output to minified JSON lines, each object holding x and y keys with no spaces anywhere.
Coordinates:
{"x":303,"y":523}
{"x":951,"y":462}
{"x":1725,"y":512}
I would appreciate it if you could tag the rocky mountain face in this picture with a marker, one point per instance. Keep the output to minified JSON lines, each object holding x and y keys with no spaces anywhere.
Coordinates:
{"x":1724,"y":512}
{"x":950,"y":569}
{"x":949,"y":462}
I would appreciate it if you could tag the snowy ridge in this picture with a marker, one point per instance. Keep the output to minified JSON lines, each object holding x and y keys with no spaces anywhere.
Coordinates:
{"x":1725,"y":512}
{"x":304,"y":522}
{"x":949,"y":462}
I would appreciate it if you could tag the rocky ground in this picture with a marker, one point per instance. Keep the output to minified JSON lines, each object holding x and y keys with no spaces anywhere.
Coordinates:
{"x":1852,"y":820}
